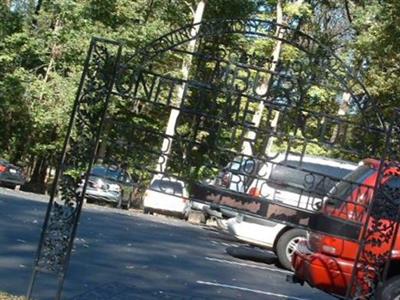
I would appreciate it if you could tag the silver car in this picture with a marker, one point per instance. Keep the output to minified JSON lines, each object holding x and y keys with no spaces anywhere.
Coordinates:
{"x":110,"y":184}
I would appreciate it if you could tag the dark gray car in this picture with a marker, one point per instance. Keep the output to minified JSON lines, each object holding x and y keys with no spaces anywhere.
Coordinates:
{"x":110,"y":184}
{"x":11,"y":175}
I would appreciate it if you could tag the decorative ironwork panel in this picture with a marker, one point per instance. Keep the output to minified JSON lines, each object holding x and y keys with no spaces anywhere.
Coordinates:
{"x":238,"y":128}
{"x":79,"y":150}
{"x":381,"y":223}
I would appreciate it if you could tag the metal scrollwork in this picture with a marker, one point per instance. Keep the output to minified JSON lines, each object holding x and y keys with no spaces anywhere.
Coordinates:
{"x":381,"y":226}
{"x":79,"y":150}
{"x":224,"y":97}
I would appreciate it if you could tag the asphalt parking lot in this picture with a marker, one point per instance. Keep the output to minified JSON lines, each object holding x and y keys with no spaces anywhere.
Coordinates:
{"x":127,"y":255}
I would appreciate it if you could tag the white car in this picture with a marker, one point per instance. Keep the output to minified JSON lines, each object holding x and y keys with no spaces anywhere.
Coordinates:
{"x":280,"y":238}
{"x":166,"y":195}
{"x":291,"y":182}
{"x":299,"y":183}
{"x":294,"y":180}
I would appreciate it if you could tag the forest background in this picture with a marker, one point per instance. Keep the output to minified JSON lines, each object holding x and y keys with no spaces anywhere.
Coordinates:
{"x":43,"y":45}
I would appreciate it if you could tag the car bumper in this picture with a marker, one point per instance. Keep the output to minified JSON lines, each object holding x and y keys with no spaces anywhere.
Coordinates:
{"x":99,"y":194}
{"x":11,"y":180}
{"x":171,"y":204}
{"x":327,"y":273}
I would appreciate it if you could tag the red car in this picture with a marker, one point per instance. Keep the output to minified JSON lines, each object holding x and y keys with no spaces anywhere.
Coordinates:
{"x":326,"y":262}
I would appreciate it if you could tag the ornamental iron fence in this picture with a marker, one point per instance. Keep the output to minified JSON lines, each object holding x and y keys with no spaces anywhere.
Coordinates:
{"x":241,"y":130}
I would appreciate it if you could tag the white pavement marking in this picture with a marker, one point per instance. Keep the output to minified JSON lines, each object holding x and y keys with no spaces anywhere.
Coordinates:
{"x":248,"y":290}
{"x":247,"y":265}
{"x":221,"y":243}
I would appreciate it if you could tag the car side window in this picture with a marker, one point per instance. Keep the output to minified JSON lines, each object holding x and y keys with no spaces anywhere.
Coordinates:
{"x":287,"y":177}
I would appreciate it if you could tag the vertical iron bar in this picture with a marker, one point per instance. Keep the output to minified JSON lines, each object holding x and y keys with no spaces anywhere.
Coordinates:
{"x":395,"y":116}
{"x":60,"y":165}
{"x":365,"y":225}
{"x":81,"y":196}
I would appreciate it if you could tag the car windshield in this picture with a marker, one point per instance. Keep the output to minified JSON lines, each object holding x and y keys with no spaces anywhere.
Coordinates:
{"x":167,"y":186}
{"x":108,"y":173}
{"x":348,"y":185}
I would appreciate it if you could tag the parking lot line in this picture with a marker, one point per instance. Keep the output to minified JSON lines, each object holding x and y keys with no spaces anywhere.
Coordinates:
{"x":247,"y":290}
{"x":247,"y":265}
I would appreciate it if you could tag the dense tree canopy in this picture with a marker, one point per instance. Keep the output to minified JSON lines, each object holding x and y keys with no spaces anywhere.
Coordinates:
{"x":42,"y":49}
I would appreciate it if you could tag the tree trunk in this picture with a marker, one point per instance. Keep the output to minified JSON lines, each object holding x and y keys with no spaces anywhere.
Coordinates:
{"x":174,"y":114}
{"x":37,"y":183}
{"x":263,"y":89}
{"x":54,"y":53}
{"x":342,"y":111}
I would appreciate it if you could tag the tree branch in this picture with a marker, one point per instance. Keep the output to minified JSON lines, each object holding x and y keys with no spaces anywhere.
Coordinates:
{"x":346,"y":4}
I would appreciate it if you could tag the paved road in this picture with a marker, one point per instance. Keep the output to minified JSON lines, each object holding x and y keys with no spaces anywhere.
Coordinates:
{"x":126,"y":255}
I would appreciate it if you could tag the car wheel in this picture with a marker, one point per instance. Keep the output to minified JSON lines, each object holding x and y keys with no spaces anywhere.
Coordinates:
{"x":287,"y":245}
{"x":389,"y":290}
{"x":147,"y":211}
{"x":119,"y":203}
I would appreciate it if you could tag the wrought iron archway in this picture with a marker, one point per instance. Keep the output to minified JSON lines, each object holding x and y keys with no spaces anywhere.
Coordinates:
{"x":132,"y":96}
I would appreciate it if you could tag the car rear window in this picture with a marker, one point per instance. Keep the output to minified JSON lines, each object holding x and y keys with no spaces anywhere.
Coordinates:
{"x":167,"y":186}
{"x":311,"y":177}
{"x":348,"y":185}
{"x":109,"y":173}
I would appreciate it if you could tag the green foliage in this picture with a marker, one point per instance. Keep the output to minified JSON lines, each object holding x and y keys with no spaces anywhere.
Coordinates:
{"x":41,"y":58}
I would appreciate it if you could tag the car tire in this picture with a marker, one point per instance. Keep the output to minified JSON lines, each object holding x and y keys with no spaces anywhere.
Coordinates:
{"x":147,"y":211}
{"x":389,"y":290}
{"x":286,"y":246}
{"x":120,"y":199}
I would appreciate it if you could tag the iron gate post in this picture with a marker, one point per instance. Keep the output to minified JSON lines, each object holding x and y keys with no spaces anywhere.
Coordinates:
{"x":367,"y":262}
{"x":95,"y":87}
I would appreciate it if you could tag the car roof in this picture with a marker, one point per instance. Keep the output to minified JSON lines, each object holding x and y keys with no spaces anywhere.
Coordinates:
{"x":333,"y":162}
{"x":167,"y":177}
{"x":306,"y":158}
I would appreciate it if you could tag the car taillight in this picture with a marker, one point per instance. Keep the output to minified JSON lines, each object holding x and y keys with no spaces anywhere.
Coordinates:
{"x":185,"y":199}
{"x":325,"y":244}
{"x":332,"y":245}
{"x":255,"y":192}
{"x":2,"y":169}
